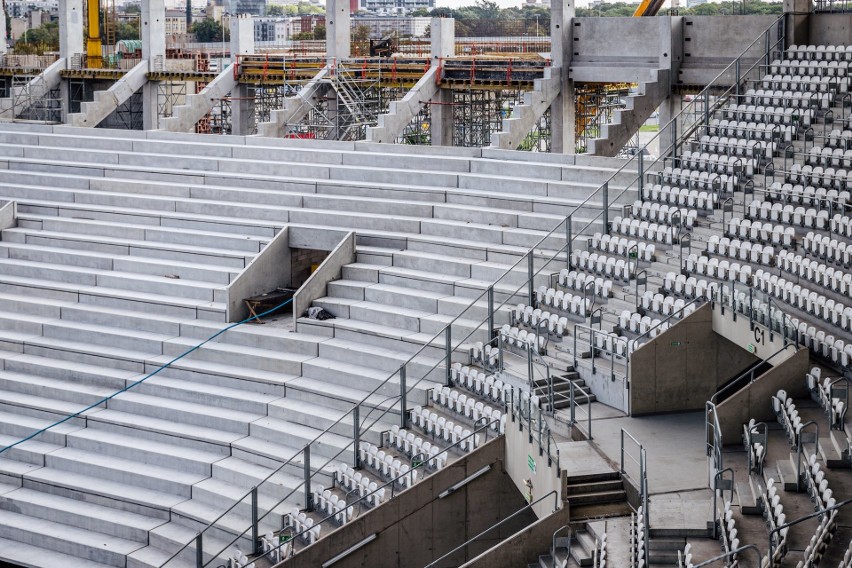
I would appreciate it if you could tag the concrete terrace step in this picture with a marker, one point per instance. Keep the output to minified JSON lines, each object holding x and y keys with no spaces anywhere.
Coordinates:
{"x":97,"y":518}
{"x":322,"y":417}
{"x":225,"y":354}
{"x":32,"y":556}
{"x":67,"y":371}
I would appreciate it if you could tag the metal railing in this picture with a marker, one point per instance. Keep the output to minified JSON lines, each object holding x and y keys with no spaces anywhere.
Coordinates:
{"x":642,"y":480}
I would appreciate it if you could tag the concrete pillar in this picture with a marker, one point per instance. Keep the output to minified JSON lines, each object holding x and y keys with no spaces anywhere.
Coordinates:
{"x":668,"y":110}
{"x":563,"y":130}
{"x":242,"y":35}
{"x":443,"y":35}
{"x":242,"y":110}
{"x":337,"y":35}
{"x":3,"y":31}
{"x":70,"y":29}
{"x":798,"y":12}
{"x":153,"y":33}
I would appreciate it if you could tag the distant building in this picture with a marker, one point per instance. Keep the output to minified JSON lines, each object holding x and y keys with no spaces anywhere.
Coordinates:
{"x":691,"y":3}
{"x":403,"y":26}
{"x":271,"y":30}
{"x":394,"y":6}
{"x":175,"y":22}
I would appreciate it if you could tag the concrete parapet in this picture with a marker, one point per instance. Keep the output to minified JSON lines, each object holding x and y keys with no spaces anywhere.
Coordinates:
{"x":317,"y":285}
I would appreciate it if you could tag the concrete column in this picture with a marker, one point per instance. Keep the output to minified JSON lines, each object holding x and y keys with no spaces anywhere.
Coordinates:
{"x":443,"y":35}
{"x":3,"y":31}
{"x":70,"y":29}
{"x":242,"y":35}
{"x":563,"y":130}
{"x":337,"y":35}
{"x":668,"y":110}
{"x":242,"y":110}
{"x":798,"y":12}
{"x":153,"y":34}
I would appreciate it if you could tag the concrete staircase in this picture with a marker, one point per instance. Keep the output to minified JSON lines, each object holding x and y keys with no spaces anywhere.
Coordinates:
{"x":106,"y":102}
{"x":626,"y":122}
{"x":525,"y":116}
{"x":186,"y":116}
{"x":38,"y":87}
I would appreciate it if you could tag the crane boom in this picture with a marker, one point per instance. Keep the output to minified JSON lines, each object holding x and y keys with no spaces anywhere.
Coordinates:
{"x":94,"y":52}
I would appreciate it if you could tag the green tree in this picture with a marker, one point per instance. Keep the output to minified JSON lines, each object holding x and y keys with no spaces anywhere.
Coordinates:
{"x":275,"y":10}
{"x":208,"y":30}
{"x":361,"y":33}
{"x":319,"y":32}
{"x":38,"y":40}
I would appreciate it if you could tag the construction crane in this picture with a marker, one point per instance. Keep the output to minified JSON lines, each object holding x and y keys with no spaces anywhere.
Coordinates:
{"x":648,"y":8}
{"x":94,"y":52}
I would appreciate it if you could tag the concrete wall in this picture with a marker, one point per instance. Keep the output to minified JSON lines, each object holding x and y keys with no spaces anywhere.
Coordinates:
{"x":829,"y":29}
{"x":7,"y":215}
{"x":317,"y":285}
{"x":417,"y":527}
{"x":546,"y":478}
{"x":740,"y":333}
{"x":524,"y":547}
{"x":268,"y":270}
{"x":754,"y":401}
{"x":684,"y":366}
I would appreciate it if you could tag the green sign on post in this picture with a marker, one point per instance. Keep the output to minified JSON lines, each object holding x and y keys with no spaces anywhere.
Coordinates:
{"x":531,"y":463}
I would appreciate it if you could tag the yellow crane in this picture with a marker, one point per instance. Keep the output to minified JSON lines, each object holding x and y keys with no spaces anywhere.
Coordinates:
{"x":648,"y":8}
{"x":94,"y":50}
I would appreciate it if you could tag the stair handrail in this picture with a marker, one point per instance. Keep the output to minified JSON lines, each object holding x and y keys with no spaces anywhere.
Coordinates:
{"x":555,"y":495}
{"x":821,"y":512}
{"x":748,"y":373}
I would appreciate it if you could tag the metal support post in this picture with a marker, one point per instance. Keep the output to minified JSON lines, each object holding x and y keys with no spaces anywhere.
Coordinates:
{"x":309,"y":498}
{"x":448,"y":351}
{"x":738,"y":80}
{"x":674,"y":138}
{"x":255,"y":535}
{"x":490,"y":312}
{"x":530,"y":272}
{"x":706,"y":107}
{"x":750,"y":311}
{"x":606,"y":207}
{"x":356,"y":436}
{"x":530,"y":367}
{"x":199,"y":550}
{"x":569,"y":245}
{"x":500,"y":350}
{"x":403,"y":412}
{"x":640,"y":161}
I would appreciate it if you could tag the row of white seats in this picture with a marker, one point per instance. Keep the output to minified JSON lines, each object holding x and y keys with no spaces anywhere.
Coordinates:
{"x":663,"y":234}
{"x":760,"y":232}
{"x":834,"y":408}
{"x":270,"y":547}
{"x":639,"y":324}
{"x":332,"y":505}
{"x":600,"y":552}
{"x":770,"y":134}
{"x":638,"y":546}
{"x":719,"y":269}
{"x":847,"y":558}
{"x":542,"y":321}
{"x":609,"y":266}
{"x":755,"y":449}
{"x":745,"y":251}
{"x":813,"y":52}
{"x":830,"y":187}
{"x":577,"y":280}
{"x":689,"y":287}
{"x":304,"y":526}
{"x":729,"y":533}
{"x":714,"y":163}
{"x":683,"y":197}
{"x":815,"y":271}
{"x":839,"y":138}
{"x":349,"y":479}
{"x":733,"y":146}
{"x":612,"y":343}
{"x":684,"y":558}
{"x":809,"y":68}
{"x":773,"y":513}
{"x":662,"y":213}
{"x":486,"y":355}
{"x":773,"y":89}
{"x":480,"y":383}
{"x":613,"y":244}
{"x":841,"y":225}
{"x":816,"y":484}
{"x":787,"y":415}
{"x":836,"y":175}
{"x":439,"y":427}
{"x":666,"y":305}
{"x":789,"y":215}
{"x":827,"y":157}
{"x":782,"y":115}
{"x":565,"y":302}
{"x":458,"y":402}
{"x":837,"y":251}
{"x":386,"y":464}
{"x":698,"y":179}
{"x":818,"y":544}
{"x":523,"y":340}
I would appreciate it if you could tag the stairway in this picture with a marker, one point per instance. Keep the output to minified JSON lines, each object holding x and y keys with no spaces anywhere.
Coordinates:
{"x":186,"y":116}
{"x":106,"y":102}
{"x":525,"y":115}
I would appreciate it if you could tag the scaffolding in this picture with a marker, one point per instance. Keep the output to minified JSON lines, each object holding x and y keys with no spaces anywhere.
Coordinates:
{"x":479,"y":113}
{"x":595,"y":104}
{"x":170,"y":94}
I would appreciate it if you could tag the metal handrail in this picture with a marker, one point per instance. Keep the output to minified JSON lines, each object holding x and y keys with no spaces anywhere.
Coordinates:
{"x":489,"y":529}
{"x":748,"y":373}
{"x":776,"y":530}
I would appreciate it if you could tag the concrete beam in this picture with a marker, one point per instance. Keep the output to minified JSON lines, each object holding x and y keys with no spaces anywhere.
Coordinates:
{"x":242,"y":35}
{"x":401,"y":113}
{"x":106,"y":102}
{"x":186,"y":116}
{"x":525,"y":116}
{"x":153,"y":33}
{"x":295,"y":108}
{"x":3,"y":32}
{"x":443,"y":35}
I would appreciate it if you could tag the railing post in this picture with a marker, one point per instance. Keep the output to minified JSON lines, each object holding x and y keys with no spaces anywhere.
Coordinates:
{"x":403,"y":411}
{"x":500,"y":351}
{"x":640,"y":161}
{"x":199,"y":550}
{"x":530,"y":275}
{"x":448,"y":351}
{"x":309,"y":498}
{"x":490,"y":312}
{"x":569,"y":245}
{"x":606,"y":207}
{"x":737,"y":79}
{"x":255,"y":536}
{"x":706,"y":107}
{"x":530,"y":366}
{"x":572,"y":404}
{"x":356,"y":436}
{"x":674,"y":138}
{"x":750,"y":311}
